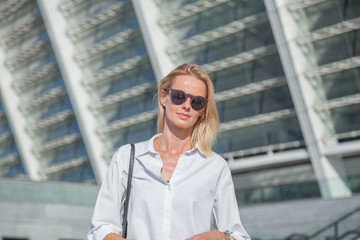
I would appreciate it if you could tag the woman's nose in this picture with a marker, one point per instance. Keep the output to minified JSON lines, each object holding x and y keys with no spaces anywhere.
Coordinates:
{"x":187,"y":104}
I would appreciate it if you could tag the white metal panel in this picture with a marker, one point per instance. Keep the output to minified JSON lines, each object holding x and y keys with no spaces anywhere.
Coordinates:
{"x":18,"y":122}
{"x":65,"y":51}
{"x":147,"y":13}
{"x":317,"y":127}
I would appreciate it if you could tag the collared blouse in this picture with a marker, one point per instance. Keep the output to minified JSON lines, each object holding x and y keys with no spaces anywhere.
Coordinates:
{"x":198,"y":198}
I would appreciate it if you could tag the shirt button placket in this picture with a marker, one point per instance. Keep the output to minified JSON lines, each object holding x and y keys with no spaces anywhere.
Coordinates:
{"x":167,"y":212}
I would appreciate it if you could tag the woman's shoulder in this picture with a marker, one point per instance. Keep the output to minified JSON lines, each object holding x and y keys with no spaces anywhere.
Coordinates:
{"x":218,"y":160}
{"x":125,"y":149}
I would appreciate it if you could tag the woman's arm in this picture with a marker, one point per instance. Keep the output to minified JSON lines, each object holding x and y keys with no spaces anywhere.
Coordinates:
{"x":226,"y":212}
{"x":106,"y":218}
{"x":113,"y":236}
{"x":211,"y":235}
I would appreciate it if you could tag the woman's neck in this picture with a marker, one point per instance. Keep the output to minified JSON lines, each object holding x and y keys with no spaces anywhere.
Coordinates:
{"x":174,"y":143}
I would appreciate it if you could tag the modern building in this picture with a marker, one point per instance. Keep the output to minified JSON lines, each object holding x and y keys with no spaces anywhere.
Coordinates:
{"x":78,"y":77}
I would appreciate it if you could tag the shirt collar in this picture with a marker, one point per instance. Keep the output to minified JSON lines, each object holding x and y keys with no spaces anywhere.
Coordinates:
{"x":197,"y":148}
{"x":149,"y":148}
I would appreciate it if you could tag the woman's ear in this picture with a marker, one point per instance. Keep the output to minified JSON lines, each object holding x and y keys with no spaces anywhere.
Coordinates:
{"x":162,"y":97}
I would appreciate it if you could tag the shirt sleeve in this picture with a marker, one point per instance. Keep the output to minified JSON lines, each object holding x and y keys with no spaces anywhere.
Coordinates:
{"x":226,"y":212}
{"x":107,"y":217}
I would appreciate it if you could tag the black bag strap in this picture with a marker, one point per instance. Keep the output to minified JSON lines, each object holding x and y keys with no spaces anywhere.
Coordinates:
{"x":128,"y":188}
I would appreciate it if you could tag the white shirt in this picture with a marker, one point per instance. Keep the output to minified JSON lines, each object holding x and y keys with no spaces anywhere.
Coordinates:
{"x":199,"y":197}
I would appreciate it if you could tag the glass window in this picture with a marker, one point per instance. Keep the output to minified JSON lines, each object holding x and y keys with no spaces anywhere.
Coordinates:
{"x":331,"y":12}
{"x":14,"y":238}
{"x":211,"y":19}
{"x":352,"y":165}
{"x":126,"y":81}
{"x":7,"y":149}
{"x":105,"y":33}
{"x":63,"y":129}
{"x":50,"y":84}
{"x":69,"y":152}
{"x":115,"y":57}
{"x":14,"y":170}
{"x":146,"y":75}
{"x":215,"y":17}
{"x":136,"y":133}
{"x":119,"y":138}
{"x":276,"y":184}
{"x":270,"y":194}
{"x":95,"y":7}
{"x":345,"y":45}
{"x":239,"y":108}
{"x":259,"y":36}
{"x":131,"y":107}
{"x":118,"y":54}
{"x":4,"y":127}
{"x":112,"y":113}
{"x":56,"y":107}
{"x":246,"y":8}
{"x":351,"y":9}
{"x":322,"y":15}
{"x":280,"y":131}
{"x":271,"y":100}
{"x":122,"y":21}
{"x":36,"y":64}
{"x":183,"y":29}
{"x":82,"y":173}
{"x":225,"y":47}
{"x":248,"y":40}
{"x":337,"y":85}
{"x":80,"y":151}
{"x":346,"y":119}
{"x":254,"y":71}
{"x":63,"y":155}
{"x":51,"y":110}
{"x":141,"y":132}
{"x":232,"y":77}
{"x":267,"y":67}
{"x":57,"y":132}
{"x":274,"y":99}
{"x":356,"y":43}
{"x":169,"y":5}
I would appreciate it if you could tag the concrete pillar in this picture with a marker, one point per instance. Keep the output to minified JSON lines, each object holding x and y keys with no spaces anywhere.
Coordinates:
{"x":17,"y":121}
{"x":156,"y":41}
{"x":65,"y":50}
{"x":317,"y":127}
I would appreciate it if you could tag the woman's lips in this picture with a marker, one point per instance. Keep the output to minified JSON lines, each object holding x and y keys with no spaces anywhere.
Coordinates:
{"x":183,"y":116}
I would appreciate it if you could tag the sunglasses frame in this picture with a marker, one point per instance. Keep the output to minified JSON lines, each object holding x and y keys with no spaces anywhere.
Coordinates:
{"x":187,"y":95}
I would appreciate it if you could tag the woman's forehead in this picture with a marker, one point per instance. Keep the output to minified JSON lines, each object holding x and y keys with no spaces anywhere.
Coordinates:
{"x":189,"y":84}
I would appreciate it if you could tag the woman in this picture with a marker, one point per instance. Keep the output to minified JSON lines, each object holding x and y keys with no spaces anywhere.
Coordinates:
{"x":180,"y":188}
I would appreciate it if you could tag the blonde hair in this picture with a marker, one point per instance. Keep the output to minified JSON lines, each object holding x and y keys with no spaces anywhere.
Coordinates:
{"x":207,"y":126}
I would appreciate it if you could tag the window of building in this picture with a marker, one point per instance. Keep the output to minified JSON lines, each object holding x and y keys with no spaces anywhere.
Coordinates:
{"x":13,"y":238}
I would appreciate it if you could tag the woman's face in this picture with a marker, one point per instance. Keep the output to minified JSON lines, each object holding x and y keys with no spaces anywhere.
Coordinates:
{"x":183,"y":116}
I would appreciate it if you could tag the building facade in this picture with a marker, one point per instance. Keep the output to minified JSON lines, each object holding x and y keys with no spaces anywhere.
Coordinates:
{"x":77,"y":80}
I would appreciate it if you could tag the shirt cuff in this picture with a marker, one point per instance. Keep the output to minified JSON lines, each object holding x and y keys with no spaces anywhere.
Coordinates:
{"x":103,"y":231}
{"x":239,"y":236}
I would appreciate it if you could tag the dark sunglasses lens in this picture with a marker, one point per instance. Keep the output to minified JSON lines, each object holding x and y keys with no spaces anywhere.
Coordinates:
{"x":178,"y":97}
{"x":198,"y":103}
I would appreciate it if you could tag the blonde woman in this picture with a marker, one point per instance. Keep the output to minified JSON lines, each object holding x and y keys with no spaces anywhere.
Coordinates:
{"x":180,"y":188}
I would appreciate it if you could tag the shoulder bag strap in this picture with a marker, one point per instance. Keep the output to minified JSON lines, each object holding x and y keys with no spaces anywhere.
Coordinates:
{"x":126,"y":206}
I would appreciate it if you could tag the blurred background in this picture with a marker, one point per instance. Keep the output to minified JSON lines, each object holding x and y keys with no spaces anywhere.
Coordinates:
{"x":77,"y":80}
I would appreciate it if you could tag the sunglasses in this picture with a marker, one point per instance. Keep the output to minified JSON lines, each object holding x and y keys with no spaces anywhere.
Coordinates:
{"x":178,"y":97}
